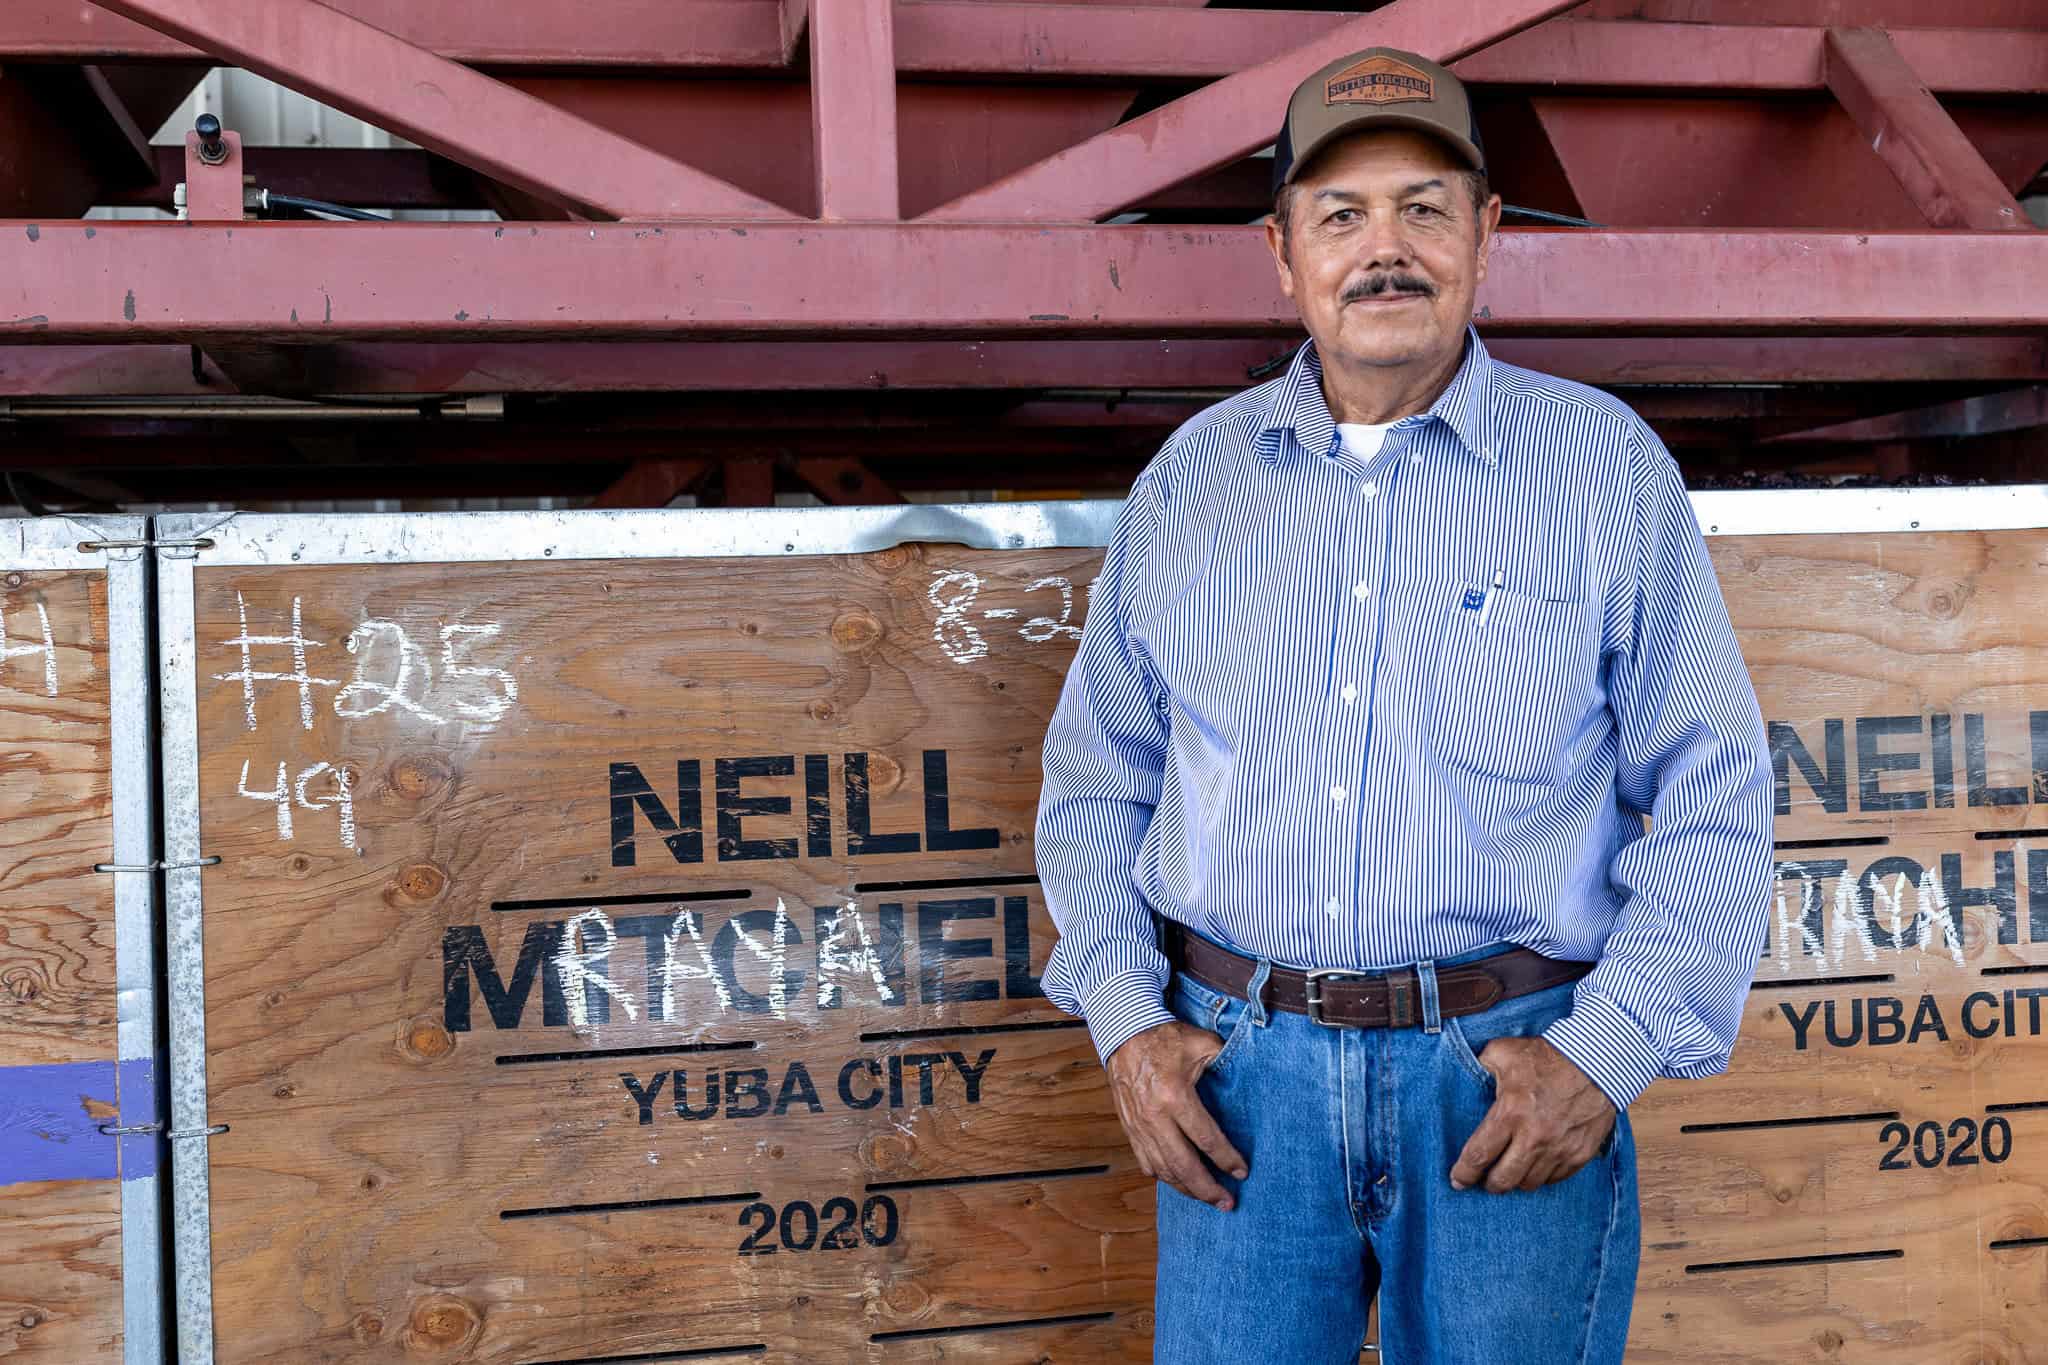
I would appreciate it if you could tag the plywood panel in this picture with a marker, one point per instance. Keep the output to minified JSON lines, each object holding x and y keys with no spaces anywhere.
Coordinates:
{"x":1788,"y":1214}
{"x":503,"y":852}
{"x":660,"y":892}
{"x":60,"y":1214}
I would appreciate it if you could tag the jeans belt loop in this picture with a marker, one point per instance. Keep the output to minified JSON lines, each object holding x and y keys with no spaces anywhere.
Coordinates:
{"x":1255,"y":993}
{"x":1432,"y":1011}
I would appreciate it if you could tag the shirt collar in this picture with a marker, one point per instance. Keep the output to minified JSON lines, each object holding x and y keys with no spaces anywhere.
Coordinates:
{"x":1465,"y":405}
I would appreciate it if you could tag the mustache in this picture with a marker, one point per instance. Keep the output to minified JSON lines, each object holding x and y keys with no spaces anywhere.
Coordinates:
{"x":1388,"y":282}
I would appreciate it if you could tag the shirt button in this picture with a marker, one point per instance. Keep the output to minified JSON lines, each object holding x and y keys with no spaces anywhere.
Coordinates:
{"x":1350,"y":694}
{"x":1369,"y":490}
{"x":1416,"y":458}
{"x":1332,"y":908}
{"x":1360,"y":591}
{"x":1336,"y":793}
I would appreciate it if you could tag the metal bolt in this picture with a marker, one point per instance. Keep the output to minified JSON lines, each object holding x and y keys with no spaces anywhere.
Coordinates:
{"x":213,"y":149}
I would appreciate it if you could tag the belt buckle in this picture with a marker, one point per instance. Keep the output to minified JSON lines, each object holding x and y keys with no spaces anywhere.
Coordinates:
{"x":1312,"y":990}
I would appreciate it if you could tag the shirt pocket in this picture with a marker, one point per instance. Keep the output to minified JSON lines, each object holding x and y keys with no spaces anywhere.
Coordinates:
{"x":1514,"y":680}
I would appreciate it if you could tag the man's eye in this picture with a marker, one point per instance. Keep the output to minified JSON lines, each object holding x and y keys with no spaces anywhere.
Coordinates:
{"x":1425,"y":209}
{"x":1344,"y":216}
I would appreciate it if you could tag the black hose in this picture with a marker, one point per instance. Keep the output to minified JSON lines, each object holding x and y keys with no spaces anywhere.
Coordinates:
{"x":293,"y":201}
{"x":1536,"y":215}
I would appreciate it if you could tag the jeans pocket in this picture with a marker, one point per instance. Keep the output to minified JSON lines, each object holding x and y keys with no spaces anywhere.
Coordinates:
{"x":1526,"y":1016}
{"x":1224,"y":1015}
{"x":1466,"y":1058}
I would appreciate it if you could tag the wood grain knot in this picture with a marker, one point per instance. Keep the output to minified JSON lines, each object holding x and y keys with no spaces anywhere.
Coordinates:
{"x":366,"y":1327}
{"x":898,"y":557}
{"x":416,"y":885}
{"x":31,"y":1319}
{"x":1946,"y":601}
{"x":820,"y":709}
{"x":420,"y":776}
{"x":855,"y":630}
{"x":15,"y":580}
{"x":906,"y":1299}
{"x":885,"y":774}
{"x":887,"y":1153}
{"x":1829,"y":1341}
{"x":427,"y":1040}
{"x":441,"y":1325}
{"x":22,"y":984}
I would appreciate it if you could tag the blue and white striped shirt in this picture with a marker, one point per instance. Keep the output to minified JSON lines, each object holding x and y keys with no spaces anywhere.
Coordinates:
{"x":1304,"y":721}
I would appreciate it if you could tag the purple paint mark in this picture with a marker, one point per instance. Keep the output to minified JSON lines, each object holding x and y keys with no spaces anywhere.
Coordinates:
{"x":50,"y":1119}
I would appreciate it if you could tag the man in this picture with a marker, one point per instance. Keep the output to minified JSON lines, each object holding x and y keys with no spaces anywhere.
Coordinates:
{"x":1342,"y":812}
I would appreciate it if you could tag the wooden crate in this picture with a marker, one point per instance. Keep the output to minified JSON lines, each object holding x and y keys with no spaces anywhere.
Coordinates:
{"x":624,"y":957}
{"x":62,"y":1073}
{"x":1869,"y":1182}
{"x":614,"y":958}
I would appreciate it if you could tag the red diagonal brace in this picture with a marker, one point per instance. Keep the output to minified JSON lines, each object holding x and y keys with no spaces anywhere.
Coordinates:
{"x":1938,"y":167}
{"x":1233,"y":118}
{"x":793,"y":17}
{"x":448,"y":108}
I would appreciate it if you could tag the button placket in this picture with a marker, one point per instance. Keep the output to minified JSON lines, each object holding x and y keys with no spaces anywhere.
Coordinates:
{"x":1354,"y":642}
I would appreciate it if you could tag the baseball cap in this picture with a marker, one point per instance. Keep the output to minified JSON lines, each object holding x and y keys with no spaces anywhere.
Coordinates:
{"x":1381,"y":87}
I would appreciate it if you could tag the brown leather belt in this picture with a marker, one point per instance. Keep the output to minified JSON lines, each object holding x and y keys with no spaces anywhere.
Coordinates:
{"x":1383,"y":999}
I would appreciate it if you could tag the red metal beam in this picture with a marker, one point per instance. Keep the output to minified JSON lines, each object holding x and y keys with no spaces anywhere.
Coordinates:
{"x":505,"y":33}
{"x":1068,"y":41}
{"x":793,"y":17}
{"x":445,"y":106}
{"x":749,"y":482}
{"x":994,"y":38}
{"x":853,"y":109}
{"x":1230,"y":119}
{"x":1938,"y":167}
{"x":557,"y":367}
{"x":315,"y":282}
{"x":652,"y":482}
{"x":841,"y":479}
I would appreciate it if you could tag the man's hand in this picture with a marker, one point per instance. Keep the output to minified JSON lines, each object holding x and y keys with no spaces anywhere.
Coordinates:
{"x":1547,"y":1119}
{"x":1153,"y":1077}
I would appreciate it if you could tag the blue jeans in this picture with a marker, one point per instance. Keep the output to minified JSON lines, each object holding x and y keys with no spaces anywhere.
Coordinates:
{"x":1350,"y":1135}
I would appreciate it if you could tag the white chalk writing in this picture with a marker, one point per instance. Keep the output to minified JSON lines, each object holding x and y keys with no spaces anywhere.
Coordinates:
{"x":47,"y":649}
{"x":248,"y":675}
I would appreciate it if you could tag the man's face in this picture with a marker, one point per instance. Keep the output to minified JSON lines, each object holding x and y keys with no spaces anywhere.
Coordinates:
{"x":1385,"y":250}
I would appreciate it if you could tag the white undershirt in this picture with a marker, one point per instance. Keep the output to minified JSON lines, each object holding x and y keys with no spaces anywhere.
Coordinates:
{"x":1363,"y":439}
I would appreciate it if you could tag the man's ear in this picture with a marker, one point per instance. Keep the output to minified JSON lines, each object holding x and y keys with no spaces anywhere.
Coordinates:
{"x":1276,"y":242}
{"x":1489,"y":224}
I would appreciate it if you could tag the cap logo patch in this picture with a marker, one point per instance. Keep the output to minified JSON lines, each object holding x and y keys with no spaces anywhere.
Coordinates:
{"x":1378,"y":80}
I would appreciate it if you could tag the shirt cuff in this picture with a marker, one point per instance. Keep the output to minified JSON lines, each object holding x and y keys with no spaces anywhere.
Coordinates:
{"x":1123,"y":1006}
{"x":1603,"y":1040}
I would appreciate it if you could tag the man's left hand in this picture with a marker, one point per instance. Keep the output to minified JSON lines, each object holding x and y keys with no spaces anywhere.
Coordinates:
{"x":1547,"y":1120}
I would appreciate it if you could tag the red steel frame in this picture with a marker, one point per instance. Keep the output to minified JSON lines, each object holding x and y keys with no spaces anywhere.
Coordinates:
{"x":814,"y":266}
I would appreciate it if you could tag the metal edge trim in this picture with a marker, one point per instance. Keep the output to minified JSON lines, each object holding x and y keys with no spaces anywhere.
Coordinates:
{"x":475,"y":537}
{"x":52,"y":542}
{"x":133,"y":779}
{"x":452,"y":537}
{"x":185,"y":970}
{"x":1871,"y":511}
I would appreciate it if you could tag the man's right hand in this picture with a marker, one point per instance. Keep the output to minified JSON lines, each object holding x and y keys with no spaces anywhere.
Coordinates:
{"x":1153,"y":1077}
